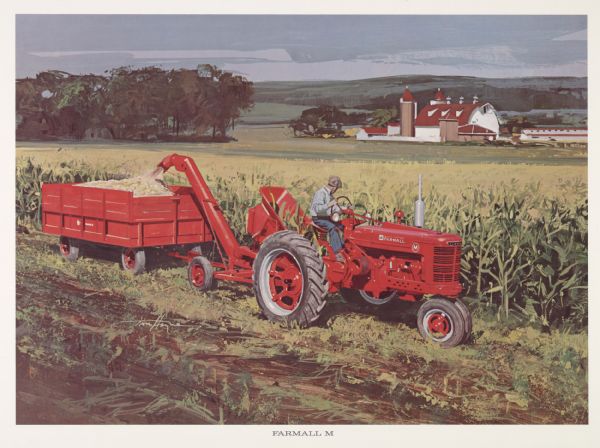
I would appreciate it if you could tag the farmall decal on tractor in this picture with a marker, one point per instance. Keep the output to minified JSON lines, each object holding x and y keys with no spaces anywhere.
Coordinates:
{"x":291,"y":276}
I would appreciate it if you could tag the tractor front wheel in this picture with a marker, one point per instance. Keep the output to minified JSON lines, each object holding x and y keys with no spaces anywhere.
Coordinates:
{"x":441,"y":321}
{"x":69,"y":248}
{"x":133,"y":260}
{"x":467,"y":318}
{"x":201,"y":274}
{"x":290,"y":281}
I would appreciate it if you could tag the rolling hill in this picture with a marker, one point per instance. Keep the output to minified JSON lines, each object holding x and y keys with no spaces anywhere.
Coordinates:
{"x":510,"y":94}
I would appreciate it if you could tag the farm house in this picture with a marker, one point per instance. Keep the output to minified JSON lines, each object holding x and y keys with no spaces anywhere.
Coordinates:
{"x":440,"y":121}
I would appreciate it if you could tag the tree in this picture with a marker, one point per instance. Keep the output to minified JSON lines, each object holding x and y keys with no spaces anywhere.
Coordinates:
{"x":80,"y":103}
{"x":229,"y":95}
{"x":186,"y":102}
{"x":37,"y":99}
{"x":381,"y":117}
{"x":134,"y":103}
{"x":323,"y":119}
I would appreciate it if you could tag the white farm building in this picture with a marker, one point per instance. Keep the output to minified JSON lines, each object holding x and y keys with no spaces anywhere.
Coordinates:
{"x":439,"y":121}
{"x":554,"y":134}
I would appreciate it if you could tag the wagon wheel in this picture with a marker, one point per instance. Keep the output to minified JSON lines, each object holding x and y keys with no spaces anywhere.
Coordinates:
{"x":441,"y":321}
{"x":197,"y":250}
{"x":290,"y":281}
{"x":69,"y":248}
{"x":201,"y":274}
{"x":133,"y":260}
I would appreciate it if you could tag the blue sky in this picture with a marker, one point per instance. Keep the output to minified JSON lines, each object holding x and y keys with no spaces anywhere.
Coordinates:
{"x":285,"y":48}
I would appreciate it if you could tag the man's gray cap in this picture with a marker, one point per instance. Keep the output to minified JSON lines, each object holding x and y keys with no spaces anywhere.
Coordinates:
{"x":335,"y":181}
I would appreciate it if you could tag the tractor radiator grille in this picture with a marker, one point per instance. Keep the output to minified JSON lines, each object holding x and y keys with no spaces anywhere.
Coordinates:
{"x":446,"y":264}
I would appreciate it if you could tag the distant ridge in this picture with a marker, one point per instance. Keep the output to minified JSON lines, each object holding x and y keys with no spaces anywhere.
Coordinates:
{"x":516,"y":94}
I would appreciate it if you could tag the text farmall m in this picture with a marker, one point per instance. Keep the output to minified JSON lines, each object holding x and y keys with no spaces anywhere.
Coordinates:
{"x":382,"y":261}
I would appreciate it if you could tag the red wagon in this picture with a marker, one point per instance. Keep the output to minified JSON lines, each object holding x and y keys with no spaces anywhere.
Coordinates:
{"x":118,"y":218}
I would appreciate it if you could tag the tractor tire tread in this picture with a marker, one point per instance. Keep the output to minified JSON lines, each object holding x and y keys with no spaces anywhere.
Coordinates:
{"x":467,"y":317}
{"x":316,"y":284}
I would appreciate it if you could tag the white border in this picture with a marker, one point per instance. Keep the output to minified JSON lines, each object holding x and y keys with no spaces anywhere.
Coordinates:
{"x":244,"y":436}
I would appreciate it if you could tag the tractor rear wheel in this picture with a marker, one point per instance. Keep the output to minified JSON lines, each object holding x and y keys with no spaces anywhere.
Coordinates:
{"x":201,"y":274}
{"x":133,"y":260}
{"x":365,"y":300}
{"x":439,"y":320}
{"x":69,"y":248}
{"x":290,"y":281}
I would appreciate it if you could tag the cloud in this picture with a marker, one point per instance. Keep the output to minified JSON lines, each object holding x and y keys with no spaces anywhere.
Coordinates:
{"x":577,"y":35}
{"x":490,"y":55}
{"x":273,"y":54}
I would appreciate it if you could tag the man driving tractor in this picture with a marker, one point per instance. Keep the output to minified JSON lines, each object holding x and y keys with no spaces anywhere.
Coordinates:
{"x":322,"y":208}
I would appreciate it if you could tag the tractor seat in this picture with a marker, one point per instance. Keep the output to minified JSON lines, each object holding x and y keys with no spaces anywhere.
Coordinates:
{"x":320,"y":232}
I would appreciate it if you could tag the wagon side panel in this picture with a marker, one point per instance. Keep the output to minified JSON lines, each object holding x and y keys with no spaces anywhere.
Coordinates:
{"x":191,"y":224}
{"x":118,"y":218}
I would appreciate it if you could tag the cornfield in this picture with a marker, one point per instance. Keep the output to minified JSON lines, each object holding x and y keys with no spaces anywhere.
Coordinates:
{"x":524,"y":250}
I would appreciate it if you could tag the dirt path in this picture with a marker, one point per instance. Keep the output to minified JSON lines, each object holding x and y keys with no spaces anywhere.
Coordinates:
{"x":92,"y":355}
{"x":108,"y":379}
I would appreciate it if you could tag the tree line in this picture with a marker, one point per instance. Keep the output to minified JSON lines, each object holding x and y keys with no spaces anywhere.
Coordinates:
{"x":320,"y":120}
{"x":128,"y":103}
{"x":329,"y":120}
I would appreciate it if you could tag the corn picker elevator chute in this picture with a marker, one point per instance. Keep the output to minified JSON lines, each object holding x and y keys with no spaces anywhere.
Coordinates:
{"x":292,"y":270}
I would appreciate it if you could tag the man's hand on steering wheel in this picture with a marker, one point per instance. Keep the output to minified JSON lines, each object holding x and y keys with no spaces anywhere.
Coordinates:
{"x":343,"y":202}
{"x":346,"y":204}
{"x":335,"y":206}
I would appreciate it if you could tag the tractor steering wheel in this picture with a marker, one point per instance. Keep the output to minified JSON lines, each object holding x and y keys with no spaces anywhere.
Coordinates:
{"x":347,"y":203}
{"x":335,"y":215}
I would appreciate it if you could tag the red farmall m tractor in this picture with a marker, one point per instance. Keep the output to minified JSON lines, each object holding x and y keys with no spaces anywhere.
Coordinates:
{"x":292,"y":270}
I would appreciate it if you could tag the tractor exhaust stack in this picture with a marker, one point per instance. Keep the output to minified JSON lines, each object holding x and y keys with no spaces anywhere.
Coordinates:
{"x":420,"y":206}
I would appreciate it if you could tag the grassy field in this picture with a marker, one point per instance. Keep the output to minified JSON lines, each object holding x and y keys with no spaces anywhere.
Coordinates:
{"x":275,"y":142}
{"x":271,"y":113}
{"x":147,"y":349}
{"x":268,"y":113}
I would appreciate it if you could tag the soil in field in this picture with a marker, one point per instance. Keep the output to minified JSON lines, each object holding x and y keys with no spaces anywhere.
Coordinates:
{"x":95,"y":345}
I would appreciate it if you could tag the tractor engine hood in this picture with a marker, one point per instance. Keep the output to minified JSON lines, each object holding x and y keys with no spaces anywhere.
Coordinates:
{"x":399,"y":237}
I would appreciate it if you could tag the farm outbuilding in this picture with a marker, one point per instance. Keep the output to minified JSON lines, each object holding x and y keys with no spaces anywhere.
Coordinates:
{"x":441,"y":120}
{"x":563,"y":134}
{"x":371,"y":132}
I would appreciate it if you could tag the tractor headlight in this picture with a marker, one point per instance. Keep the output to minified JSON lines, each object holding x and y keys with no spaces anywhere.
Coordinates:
{"x":335,"y":217}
